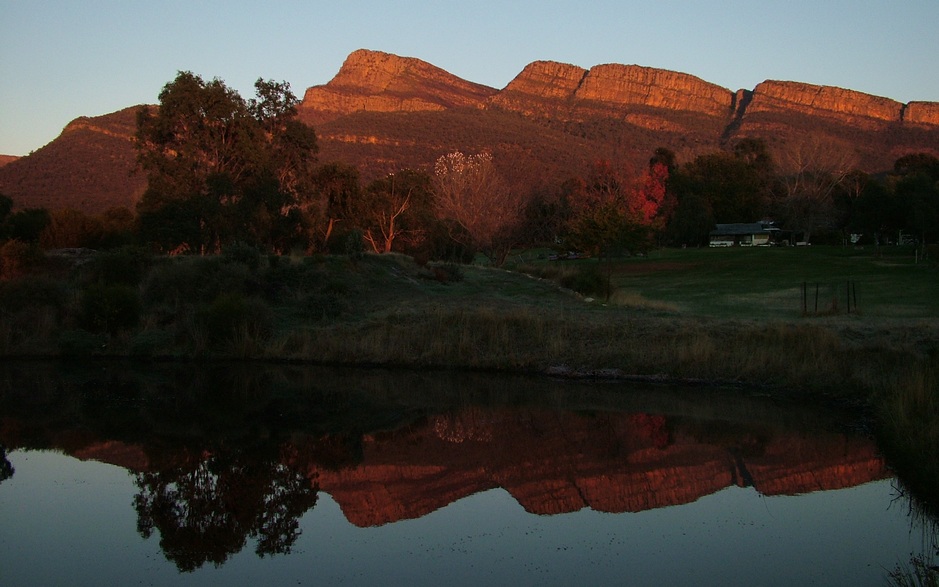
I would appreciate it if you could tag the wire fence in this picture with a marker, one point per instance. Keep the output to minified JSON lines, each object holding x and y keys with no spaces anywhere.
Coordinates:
{"x":829,"y":298}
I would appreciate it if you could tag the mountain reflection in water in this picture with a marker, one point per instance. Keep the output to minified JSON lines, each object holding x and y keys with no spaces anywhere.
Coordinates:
{"x":225,"y":454}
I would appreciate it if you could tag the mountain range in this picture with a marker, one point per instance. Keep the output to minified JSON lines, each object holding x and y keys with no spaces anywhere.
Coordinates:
{"x":382,"y":113}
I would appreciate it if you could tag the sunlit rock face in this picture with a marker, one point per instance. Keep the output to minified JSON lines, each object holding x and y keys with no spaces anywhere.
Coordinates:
{"x":645,"y":86}
{"x":850,"y":107}
{"x":380,"y":82}
{"x":925,"y":113}
{"x":543,"y":88}
{"x":643,"y":96}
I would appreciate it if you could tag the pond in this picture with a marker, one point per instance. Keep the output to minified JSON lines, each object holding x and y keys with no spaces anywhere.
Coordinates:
{"x":114,"y":473}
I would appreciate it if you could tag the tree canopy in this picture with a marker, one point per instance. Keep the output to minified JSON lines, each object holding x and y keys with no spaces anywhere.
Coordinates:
{"x":220,"y":168}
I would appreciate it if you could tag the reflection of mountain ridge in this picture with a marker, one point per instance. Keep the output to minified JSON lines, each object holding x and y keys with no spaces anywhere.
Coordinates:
{"x":554,"y":463}
{"x":393,"y":446}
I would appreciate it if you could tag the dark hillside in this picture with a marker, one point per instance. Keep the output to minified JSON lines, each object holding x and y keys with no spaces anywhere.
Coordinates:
{"x":89,"y":167}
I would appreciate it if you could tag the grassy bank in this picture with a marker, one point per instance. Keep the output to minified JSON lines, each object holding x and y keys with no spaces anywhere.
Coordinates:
{"x":737,"y":315}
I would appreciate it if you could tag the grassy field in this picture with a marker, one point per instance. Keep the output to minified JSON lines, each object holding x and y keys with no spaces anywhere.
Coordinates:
{"x":767,"y":283}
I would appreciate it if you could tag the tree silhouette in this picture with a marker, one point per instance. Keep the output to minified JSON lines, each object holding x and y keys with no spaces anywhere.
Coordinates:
{"x":207,"y":509}
{"x":6,"y":467}
{"x":220,"y":168}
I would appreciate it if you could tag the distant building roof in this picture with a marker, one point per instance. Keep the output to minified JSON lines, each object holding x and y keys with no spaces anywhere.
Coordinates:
{"x":744,"y":228}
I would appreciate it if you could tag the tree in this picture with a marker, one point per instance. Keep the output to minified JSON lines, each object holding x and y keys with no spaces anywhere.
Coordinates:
{"x":336,"y":189}
{"x":725,"y":187}
{"x":71,"y":229}
{"x":206,"y":510}
{"x":485,"y":213}
{"x":391,"y":208}
{"x":6,"y":206}
{"x":918,"y":194}
{"x":547,"y":217}
{"x":614,"y":214}
{"x":209,"y":154}
{"x":918,"y":163}
{"x":26,"y":225}
{"x":813,"y":170}
{"x":6,"y":467}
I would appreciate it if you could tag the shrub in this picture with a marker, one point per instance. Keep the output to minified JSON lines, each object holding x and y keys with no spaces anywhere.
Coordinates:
{"x":151,"y":342}
{"x":232,"y":314}
{"x":353,"y":246}
{"x":18,"y":258}
{"x":240,"y":252}
{"x":126,"y":265}
{"x":109,"y":308}
{"x":193,"y":280}
{"x":588,"y":281}
{"x":19,"y":294}
{"x":81,"y":343}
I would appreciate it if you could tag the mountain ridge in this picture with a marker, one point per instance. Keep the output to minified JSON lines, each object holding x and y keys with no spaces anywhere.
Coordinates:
{"x":382,"y":112}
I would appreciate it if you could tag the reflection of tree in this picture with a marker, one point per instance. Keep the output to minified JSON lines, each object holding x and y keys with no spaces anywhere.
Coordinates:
{"x":205,"y":511}
{"x":6,"y":467}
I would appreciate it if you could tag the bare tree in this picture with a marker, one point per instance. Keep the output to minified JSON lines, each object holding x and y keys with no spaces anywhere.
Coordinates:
{"x":470,"y":193}
{"x":812,"y":170}
{"x":392,"y":207}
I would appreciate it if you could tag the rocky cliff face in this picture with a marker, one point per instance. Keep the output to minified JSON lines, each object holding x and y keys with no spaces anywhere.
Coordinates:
{"x":543,"y":87}
{"x":922,"y":113}
{"x":642,"y":96}
{"x":628,"y":85}
{"x":847,"y":106}
{"x":380,"y":82}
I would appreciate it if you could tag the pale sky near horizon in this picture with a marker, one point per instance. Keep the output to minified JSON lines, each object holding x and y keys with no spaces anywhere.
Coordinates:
{"x":61,"y":59}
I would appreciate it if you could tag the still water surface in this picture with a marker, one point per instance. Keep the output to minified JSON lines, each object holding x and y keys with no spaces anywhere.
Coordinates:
{"x":294,"y":476}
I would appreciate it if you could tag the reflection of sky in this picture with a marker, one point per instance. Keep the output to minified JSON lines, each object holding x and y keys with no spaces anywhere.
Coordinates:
{"x":63,"y":521}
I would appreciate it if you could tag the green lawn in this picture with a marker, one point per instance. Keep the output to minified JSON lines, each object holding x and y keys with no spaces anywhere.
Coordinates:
{"x":768,"y":282}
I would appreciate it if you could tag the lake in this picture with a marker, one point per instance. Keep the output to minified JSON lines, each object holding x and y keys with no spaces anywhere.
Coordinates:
{"x":186,"y":474}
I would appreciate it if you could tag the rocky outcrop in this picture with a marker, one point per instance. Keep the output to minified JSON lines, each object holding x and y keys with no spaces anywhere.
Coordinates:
{"x":847,"y":106}
{"x":632,"y":85}
{"x":543,"y":87}
{"x":925,"y":113}
{"x":380,"y":82}
{"x":639,"y":95}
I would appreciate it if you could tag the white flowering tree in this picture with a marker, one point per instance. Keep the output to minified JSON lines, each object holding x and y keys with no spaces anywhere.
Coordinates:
{"x":470,"y":194}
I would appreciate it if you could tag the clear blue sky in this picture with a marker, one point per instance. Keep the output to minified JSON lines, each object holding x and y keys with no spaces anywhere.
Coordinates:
{"x":68,"y":58}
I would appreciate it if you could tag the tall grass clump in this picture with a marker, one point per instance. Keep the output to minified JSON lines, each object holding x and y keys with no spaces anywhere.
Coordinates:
{"x":32,"y":309}
{"x":908,"y":412}
{"x":236,"y":324}
{"x":477,"y":338}
{"x":919,"y":573}
{"x":109,"y":308}
{"x":126,"y":265}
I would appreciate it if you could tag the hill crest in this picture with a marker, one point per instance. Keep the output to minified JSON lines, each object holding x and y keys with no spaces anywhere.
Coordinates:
{"x":382,"y":112}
